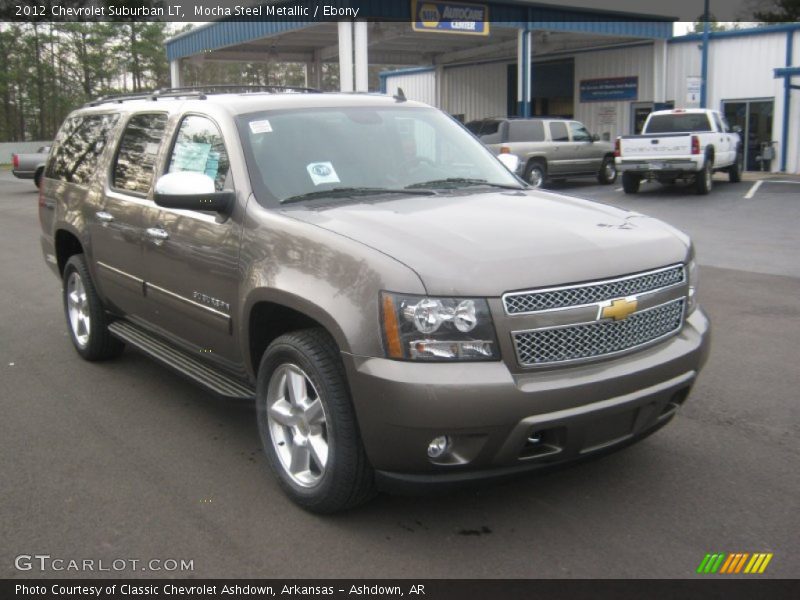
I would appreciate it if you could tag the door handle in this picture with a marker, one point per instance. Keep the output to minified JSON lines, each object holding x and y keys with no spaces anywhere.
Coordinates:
{"x":157,"y":235}
{"x":104,"y":217}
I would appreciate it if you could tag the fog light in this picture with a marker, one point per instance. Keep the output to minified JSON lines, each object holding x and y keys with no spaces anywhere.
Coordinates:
{"x":535,"y":438}
{"x":438,"y":446}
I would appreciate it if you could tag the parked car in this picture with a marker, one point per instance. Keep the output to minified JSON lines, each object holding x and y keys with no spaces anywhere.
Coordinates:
{"x":686,"y":144}
{"x":549,"y":149}
{"x":402,"y":308}
{"x":30,"y":166}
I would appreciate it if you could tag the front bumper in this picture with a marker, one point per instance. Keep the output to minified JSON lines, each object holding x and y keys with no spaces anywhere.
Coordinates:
{"x":491,"y":414}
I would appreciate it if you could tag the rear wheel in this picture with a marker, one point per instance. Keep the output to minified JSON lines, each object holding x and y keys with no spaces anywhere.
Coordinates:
{"x":308,"y":425}
{"x":735,"y":172}
{"x":87,"y":320}
{"x":608,"y":171}
{"x":704,"y":179}
{"x":536,"y":173}
{"x":631,"y":182}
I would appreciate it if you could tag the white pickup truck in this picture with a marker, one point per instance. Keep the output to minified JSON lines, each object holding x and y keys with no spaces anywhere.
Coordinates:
{"x":688,"y":144}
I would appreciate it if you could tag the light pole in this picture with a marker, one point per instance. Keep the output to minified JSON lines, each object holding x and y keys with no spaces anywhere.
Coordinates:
{"x":704,"y":60}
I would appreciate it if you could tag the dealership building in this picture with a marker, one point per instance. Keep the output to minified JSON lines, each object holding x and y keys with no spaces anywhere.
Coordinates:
{"x":477,"y":60}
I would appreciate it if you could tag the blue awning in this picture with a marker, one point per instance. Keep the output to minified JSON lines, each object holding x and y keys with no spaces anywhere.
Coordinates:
{"x":228,"y":32}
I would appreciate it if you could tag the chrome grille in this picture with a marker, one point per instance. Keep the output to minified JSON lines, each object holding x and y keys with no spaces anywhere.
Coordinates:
{"x":600,"y":338}
{"x":517,"y":303}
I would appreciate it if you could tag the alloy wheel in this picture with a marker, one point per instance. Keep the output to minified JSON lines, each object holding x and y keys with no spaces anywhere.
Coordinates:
{"x":298,"y":425}
{"x":78,"y":309}
{"x":536,"y":177}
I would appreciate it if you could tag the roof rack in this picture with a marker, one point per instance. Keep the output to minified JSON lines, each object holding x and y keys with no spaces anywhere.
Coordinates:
{"x":201,"y":92}
{"x":242,"y":89}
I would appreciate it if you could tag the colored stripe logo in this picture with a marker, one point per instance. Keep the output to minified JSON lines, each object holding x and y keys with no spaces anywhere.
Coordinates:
{"x":734,"y":563}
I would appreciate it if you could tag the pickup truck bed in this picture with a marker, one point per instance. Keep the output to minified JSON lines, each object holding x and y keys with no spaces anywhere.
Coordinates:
{"x":30,"y":166}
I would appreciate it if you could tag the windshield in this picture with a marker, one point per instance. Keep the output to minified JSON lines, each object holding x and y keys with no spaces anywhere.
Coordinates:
{"x":301,"y":154}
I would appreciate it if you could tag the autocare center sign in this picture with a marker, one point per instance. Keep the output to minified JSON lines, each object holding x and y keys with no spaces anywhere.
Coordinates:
{"x":450,"y":17}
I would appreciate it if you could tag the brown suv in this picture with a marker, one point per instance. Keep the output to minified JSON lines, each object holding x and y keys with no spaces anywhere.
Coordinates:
{"x":402,"y":308}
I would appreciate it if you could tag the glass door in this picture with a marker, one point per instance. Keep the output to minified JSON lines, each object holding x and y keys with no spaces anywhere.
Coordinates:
{"x":755,"y":119}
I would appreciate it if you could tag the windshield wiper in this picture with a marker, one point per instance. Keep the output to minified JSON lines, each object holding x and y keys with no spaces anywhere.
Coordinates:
{"x":458,"y":182}
{"x":355,"y":191}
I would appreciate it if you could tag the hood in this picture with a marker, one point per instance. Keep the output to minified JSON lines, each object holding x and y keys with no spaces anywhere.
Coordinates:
{"x":485,"y":244}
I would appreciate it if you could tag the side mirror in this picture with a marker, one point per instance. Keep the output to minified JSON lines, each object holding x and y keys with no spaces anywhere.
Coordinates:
{"x":510,"y":161}
{"x":737,"y":129}
{"x":595,"y":137}
{"x":189,"y":190}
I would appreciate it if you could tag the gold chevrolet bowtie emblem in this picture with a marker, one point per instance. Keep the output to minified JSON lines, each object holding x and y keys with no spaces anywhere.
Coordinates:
{"x":618,"y":309}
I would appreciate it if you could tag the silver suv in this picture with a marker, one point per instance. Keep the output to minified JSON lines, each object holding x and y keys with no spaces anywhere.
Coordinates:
{"x":549,"y":149}
{"x":402,"y":308}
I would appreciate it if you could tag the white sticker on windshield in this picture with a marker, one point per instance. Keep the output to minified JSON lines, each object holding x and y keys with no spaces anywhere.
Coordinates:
{"x":322,"y":172}
{"x":260,"y":126}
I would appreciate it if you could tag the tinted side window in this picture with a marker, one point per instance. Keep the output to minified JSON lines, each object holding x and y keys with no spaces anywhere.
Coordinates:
{"x":558,"y":131}
{"x":80,"y":143}
{"x":199,"y":148}
{"x":474,"y":127}
{"x":526,"y":131}
{"x":490,"y":132}
{"x":136,"y":156}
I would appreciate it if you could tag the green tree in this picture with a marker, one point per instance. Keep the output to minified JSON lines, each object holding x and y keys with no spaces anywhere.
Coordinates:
{"x":773,"y":11}
{"x":714,"y":25}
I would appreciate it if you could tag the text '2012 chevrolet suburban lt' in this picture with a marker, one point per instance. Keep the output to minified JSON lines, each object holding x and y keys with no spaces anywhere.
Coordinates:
{"x":403,"y":309}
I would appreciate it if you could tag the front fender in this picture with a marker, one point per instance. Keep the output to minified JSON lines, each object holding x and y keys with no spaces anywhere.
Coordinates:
{"x":331,"y":278}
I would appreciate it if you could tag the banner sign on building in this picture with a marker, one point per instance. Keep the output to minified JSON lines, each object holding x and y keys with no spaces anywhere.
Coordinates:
{"x":450,"y":17}
{"x":610,"y":88}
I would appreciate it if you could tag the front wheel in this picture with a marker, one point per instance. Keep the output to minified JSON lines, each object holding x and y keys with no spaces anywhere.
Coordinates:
{"x":308,"y":425}
{"x":86,"y":317}
{"x":735,"y":172}
{"x":37,"y":178}
{"x":608,"y":171}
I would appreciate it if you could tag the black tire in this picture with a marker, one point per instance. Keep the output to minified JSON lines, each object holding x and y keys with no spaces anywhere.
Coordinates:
{"x":735,"y":172}
{"x":536,"y":173}
{"x":347,"y":478}
{"x":631,"y":182}
{"x":97,"y":343}
{"x":608,"y":171}
{"x":703,"y":179}
{"x":37,"y":178}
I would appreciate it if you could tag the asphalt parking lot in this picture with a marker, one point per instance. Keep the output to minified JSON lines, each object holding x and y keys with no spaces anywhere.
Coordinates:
{"x":127,"y":460}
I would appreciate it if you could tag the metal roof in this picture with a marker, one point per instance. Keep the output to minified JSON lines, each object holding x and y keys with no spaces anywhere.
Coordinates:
{"x":519,"y":15}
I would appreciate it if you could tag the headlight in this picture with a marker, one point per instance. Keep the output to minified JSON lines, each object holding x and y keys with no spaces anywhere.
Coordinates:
{"x":693,"y":275}
{"x":437,"y":329}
